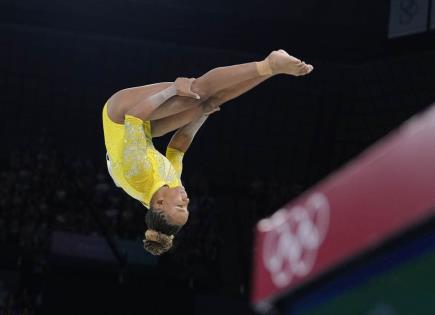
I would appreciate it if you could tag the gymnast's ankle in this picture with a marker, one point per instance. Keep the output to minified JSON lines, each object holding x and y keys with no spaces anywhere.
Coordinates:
{"x":263,"y":67}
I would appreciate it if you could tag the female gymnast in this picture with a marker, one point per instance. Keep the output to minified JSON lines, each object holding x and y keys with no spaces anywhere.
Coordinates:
{"x":133,"y":116}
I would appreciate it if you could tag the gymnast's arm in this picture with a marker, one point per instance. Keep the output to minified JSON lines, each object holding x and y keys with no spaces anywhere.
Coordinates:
{"x":183,"y":137}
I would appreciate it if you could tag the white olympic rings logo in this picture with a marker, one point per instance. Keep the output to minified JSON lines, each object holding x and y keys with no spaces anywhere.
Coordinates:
{"x":293,"y":238}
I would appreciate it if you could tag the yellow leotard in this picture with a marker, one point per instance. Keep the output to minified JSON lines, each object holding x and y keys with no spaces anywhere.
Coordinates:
{"x":134,"y":164}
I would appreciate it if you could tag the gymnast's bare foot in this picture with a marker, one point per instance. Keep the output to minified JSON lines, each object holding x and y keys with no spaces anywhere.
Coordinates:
{"x":281,"y":62}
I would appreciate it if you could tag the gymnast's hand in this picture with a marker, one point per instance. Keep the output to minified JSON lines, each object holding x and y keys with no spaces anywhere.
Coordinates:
{"x":183,"y":87}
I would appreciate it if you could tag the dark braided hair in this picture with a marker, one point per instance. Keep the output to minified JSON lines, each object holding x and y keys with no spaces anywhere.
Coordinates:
{"x":159,"y":235}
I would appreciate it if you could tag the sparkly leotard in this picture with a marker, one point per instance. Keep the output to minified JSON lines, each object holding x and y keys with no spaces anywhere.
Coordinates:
{"x":133,"y":162}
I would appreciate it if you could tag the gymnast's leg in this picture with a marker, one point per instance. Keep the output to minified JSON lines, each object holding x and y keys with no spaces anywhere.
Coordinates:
{"x":173,"y":122}
{"x":224,"y":78}
{"x":223,"y":83}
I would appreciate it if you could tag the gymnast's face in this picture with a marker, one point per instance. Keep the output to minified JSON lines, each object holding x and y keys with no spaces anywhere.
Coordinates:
{"x":174,"y":202}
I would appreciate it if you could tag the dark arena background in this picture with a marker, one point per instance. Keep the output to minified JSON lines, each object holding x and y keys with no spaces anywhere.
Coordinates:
{"x":71,"y":242}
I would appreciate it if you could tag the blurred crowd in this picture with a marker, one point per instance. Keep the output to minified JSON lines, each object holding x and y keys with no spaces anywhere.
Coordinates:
{"x":48,"y":191}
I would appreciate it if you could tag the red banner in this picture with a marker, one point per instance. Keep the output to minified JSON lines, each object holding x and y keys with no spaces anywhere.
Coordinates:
{"x":388,"y":188}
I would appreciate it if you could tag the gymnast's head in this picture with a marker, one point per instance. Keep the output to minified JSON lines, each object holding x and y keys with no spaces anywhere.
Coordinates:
{"x":166,"y":216}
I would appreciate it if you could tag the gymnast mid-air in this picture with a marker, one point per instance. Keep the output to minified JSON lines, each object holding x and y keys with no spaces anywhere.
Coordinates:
{"x":133,"y":116}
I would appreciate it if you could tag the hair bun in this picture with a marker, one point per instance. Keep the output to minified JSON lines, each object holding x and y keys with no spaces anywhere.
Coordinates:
{"x":157,"y":243}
